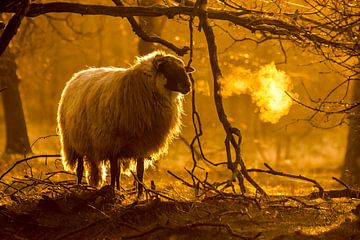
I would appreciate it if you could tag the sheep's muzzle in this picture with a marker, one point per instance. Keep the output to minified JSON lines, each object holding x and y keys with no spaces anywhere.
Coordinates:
{"x":184,"y":87}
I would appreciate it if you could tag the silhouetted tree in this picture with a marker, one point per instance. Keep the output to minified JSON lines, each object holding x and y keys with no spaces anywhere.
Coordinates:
{"x":351,"y":169}
{"x":17,"y":140}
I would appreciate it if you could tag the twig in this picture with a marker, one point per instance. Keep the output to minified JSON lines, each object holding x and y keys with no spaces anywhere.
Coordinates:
{"x":185,"y":227}
{"x":150,"y":190}
{"x":150,"y":38}
{"x":341,"y":182}
{"x":52,"y":135}
{"x":344,"y":110}
{"x":304,"y":203}
{"x":27,"y":159}
{"x":58,"y":172}
{"x":348,"y":193}
{"x":179,"y":178}
{"x":277,"y":173}
{"x":9,"y":186}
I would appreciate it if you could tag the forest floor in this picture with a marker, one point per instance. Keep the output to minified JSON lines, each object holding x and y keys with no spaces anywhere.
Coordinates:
{"x":57,"y":208}
{"x":102,"y":214}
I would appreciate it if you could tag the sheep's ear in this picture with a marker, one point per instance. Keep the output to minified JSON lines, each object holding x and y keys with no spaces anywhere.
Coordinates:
{"x":158,"y":60}
{"x":189,"y":69}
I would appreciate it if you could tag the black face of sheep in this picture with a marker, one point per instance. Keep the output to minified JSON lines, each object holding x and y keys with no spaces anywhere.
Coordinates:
{"x":175,"y":73}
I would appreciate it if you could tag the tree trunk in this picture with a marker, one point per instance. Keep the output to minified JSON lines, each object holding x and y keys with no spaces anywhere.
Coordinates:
{"x":17,"y":140}
{"x":351,"y":170}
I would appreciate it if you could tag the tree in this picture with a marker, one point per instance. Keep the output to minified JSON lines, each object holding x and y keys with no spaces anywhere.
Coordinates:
{"x":330,"y":30}
{"x":17,"y":140}
{"x":351,"y":169}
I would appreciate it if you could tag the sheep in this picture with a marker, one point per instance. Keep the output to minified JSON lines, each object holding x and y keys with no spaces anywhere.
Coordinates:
{"x":121,"y":115}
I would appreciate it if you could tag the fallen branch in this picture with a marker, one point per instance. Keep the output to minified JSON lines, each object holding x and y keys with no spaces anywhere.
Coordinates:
{"x":278,"y":173}
{"x":341,"y":182}
{"x":345,"y":193}
{"x":190,"y":226}
{"x":150,"y":190}
{"x":27,"y":159}
{"x":180,"y":179}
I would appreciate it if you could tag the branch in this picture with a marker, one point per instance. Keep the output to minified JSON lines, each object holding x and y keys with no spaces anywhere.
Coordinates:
{"x":180,"y":179}
{"x":13,"y":26}
{"x":147,"y":38}
{"x":252,"y":22}
{"x":230,"y":131}
{"x":27,"y":159}
{"x":345,"y":110}
{"x":190,"y":226}
{"x":278,"y":173}
{"x":345,"y":193}
{"x":44,"y":137}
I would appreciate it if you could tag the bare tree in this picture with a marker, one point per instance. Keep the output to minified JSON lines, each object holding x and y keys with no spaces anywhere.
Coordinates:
{"x":17,"y":140}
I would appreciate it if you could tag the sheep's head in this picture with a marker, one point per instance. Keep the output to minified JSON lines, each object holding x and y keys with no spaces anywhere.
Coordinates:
{"x":175,"y":72}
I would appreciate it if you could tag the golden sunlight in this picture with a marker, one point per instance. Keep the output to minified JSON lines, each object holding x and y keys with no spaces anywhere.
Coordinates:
{"x":267,"y":88}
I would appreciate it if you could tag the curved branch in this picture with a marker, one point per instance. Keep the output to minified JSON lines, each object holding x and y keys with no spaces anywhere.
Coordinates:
{"x":230,"y":131}
{"x":253,"y":22}
{"x":12,"y":27}
{"x":150,"y":38}
{"x":27,"y":159}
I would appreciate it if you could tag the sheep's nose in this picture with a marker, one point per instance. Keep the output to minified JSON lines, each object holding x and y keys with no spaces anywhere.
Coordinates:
{"x":185,"y":87}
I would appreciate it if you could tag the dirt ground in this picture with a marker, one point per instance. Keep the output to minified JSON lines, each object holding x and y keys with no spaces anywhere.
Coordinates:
{"x":99,"y":214}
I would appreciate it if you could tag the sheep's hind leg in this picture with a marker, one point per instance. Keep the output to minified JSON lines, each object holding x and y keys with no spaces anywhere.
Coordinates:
{"x":115,"y":173}
{"x":80,"y":169}
{"x":140,"y":175}
{"x":93,"y":167}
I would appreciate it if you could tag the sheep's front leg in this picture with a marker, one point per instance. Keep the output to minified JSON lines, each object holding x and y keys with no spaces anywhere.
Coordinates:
{"x":80,"y":169}
{"x":115,"y":173}
{"x":140,"y":174}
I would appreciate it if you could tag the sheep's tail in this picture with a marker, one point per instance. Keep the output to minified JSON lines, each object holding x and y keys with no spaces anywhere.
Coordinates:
{"x":94,"y":172}
{"x":69,"y":156}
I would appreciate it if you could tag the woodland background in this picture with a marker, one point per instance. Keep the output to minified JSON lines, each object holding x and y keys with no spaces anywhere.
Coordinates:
{"x":307,"y":124}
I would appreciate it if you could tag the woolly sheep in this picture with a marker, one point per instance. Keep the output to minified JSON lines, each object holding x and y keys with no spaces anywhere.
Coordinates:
{"x":121,"y":115}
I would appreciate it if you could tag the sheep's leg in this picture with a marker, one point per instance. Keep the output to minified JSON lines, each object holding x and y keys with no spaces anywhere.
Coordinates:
{"x":93,"y":167}
{"x":115,"y":173}
{"x":117,"y":180}
{"x":80,"y":169}
{"x":140,"y":174}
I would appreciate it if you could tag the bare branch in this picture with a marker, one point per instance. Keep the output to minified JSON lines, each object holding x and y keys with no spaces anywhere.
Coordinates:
{"x":27,"y":159}
{"x":277,"y":173}
{"x":190,"y":226}
{"x":12,"y":26}
{"x":147,"y":38}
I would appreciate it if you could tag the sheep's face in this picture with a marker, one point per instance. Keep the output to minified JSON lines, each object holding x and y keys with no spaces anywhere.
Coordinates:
{"x":175,"y":72}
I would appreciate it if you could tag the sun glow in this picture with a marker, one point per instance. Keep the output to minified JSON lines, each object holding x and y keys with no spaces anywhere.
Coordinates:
{"x":267,"y":88}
